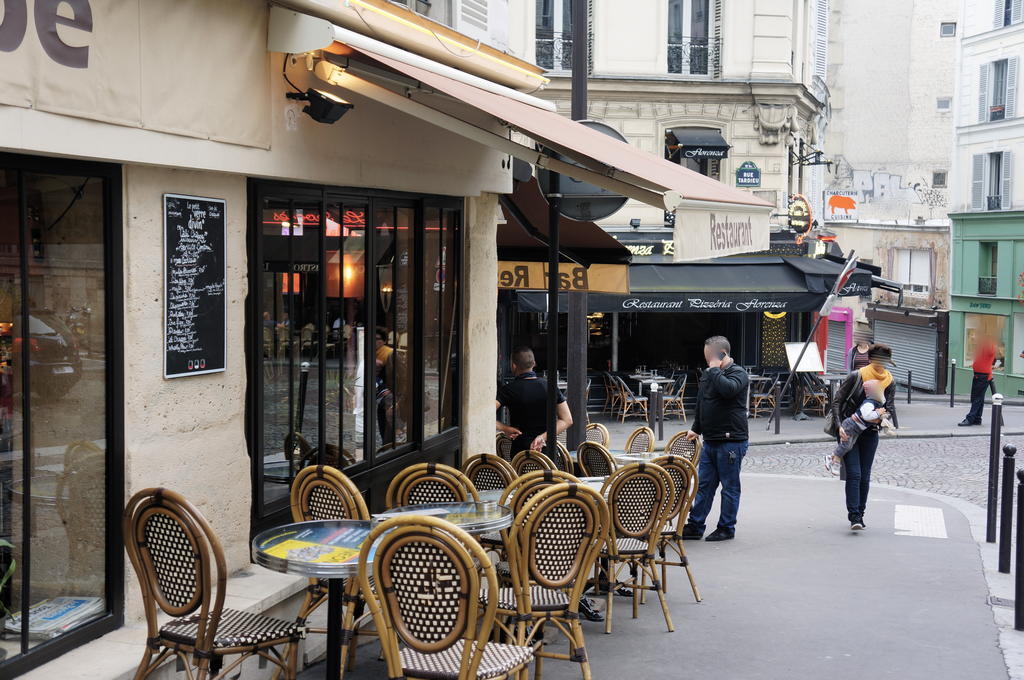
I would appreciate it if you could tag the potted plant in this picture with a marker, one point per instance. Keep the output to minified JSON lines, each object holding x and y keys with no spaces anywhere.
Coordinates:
{"x":4,"y":611}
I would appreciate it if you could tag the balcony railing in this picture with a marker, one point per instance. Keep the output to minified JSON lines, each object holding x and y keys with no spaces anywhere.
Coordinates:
{"x":694,"y":56}
{"x":994,"y":202}
{"x":554,"y":50}
{"x":986,"y":285}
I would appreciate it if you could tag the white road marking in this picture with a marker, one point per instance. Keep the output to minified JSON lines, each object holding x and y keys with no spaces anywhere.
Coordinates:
{"x":920,"y":520}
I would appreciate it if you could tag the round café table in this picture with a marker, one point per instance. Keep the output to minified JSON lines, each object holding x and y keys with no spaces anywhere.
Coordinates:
{"x":327,"y":549}
{"x":472,"y":517}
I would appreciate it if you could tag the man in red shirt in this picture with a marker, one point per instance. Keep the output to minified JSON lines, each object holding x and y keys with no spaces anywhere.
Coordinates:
{"x":984,"y":357}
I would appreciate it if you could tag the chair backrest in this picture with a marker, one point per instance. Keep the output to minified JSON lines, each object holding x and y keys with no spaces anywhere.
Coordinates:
{"x":679,"y":388}
{"x":684,"y":488}
{"x":596,"y":432}
{"x":525,"y":486}
{"x":595,"y":460}
{"x":429,"y":483}
{"x":679,"y":445}
{"x":639,"y":498}
{"x":488,"y":471}
{"x":178,"y":560}
{"x":641,"y":440}
{"x":561,"y":458}
{"x":625,"y":389}
{"x":503,"y":446}
{"x":427,"y":576}
{"x":323,"y":492}
{"x":531,"y":461}
{"x":556,"y":537}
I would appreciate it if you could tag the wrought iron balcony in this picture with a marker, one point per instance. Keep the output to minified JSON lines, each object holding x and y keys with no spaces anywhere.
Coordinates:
{"x":986,"y":285}
{"x":554,"y":50}
{"x":994,"y":202}
{"x":694,"y":56}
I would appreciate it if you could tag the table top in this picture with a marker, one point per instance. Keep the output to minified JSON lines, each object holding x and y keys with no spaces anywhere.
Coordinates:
{"x":471,"y":517}
{"x":494,"y":495}
{"x":320,"y":549}
{"x":652,"y":378}
{"x":643,"y":457}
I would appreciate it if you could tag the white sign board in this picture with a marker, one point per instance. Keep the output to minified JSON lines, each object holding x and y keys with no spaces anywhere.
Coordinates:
{"x":809,"y":363}
{"x":705,"y":232}
{"x":840,"y":206}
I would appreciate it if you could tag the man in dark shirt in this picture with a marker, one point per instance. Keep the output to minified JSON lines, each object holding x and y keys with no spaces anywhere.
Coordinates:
{"x":526,"y":398}
{"x":721,"y":418}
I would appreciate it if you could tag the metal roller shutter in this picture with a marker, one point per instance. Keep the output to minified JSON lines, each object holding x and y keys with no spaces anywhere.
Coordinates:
{"x":914,"y":348}
{"x":836,"y":347}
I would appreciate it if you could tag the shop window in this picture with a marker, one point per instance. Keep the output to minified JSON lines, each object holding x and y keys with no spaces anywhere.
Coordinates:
{"x":988,"y":267}
{"x":58,"y":472}
{"x":977,"y":327}
{"x":1017,"y":351}
{"x":914,"y":271}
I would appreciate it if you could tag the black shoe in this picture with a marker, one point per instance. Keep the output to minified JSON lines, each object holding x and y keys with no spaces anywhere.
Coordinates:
{"x":721,"y":534}
{"x":588,"y":612}
{"x":856,"y":522}
{"x":967,"y":423}
{"x":692,"y":533}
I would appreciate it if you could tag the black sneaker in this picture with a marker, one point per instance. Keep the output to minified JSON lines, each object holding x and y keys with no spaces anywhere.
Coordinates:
{"x":856,"y":523}
{"x":692,"y":533}
{"x":967,"y":423}
{"x":588,"y":612}
{"x":721,"y":534}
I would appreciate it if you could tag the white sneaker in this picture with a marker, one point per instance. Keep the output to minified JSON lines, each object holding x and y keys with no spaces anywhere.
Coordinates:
{"x":830,"y":464}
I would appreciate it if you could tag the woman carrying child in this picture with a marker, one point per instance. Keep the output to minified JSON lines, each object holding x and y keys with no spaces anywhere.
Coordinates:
{"x":865,"y":397}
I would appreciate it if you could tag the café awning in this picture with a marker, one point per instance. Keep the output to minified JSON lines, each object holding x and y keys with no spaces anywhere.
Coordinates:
{"x":749,"y":284}
{"x":697,"y":143}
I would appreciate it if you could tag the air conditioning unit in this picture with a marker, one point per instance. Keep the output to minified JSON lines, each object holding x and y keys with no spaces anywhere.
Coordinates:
{"x":483,"y":20}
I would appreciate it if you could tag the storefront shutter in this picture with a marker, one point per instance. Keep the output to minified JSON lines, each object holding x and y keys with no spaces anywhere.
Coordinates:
{"x":914,"y":348}
{"x":1011,"y":86}
{"x":836,"y":360}
{"x":983,"y":93}
{"x":978,"y":181}
{"x":1006,"y":198}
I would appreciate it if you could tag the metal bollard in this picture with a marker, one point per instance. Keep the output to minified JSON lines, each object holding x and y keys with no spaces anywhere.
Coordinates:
{"x":910,"y":385}
{"x":993,"y":469}
{"x":952,"y":384}
{"x":778,"y":406}
{"x":1006,"y":514}
{"x":1018,"y":608}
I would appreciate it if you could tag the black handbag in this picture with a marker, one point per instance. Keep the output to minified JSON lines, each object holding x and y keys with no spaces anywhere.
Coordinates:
{"x":831,"y":425}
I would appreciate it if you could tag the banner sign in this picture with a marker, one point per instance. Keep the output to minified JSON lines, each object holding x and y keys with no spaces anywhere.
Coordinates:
{"x":703,"y":233}
{"x":604,"y":278}
{"x":685,"y":302}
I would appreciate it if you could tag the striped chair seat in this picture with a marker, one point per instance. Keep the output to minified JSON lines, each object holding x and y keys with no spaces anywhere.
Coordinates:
{"x":236,"y":629}
{"x":631,"y":545}
{"x":498,"y":659}
{"x":541,"y":599}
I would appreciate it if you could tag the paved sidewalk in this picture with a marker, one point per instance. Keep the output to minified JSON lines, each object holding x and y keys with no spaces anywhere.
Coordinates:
{"x":798,"y":596}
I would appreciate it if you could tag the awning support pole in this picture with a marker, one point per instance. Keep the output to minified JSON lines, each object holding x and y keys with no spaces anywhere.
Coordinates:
{"x":615,"y":342}
{"x":554,"y":197}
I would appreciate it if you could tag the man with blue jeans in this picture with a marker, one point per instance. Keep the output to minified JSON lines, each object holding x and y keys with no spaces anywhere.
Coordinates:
{"x":721,"y":419}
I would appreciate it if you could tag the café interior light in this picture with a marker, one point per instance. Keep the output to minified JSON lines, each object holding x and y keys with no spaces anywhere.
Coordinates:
{"x":323,"y":107}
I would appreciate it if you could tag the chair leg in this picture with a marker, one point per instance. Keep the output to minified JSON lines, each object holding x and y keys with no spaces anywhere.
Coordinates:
{"x":579,"y":648}
{"x":664,"y":607}
{"x":636,"y":594}
{"x":538,"y":660}
{"x":144,"y":665}
{"x":609,"y":597}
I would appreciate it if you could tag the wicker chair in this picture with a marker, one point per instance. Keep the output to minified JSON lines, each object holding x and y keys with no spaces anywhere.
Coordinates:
{"x":679,"y":445}
{"x":503,"y":445}
{"x":594,"y":460}
{"x":672,"y":401}
{"x":320,"y":492}
{"x":429,"y":483}
{"x":684,"y":486}
{"x":596,"y":432}
{"x":611,"y":394}
{"x":430,"y":575}
{"x":182,"y":572}
{"x":531,"y":461}
{"x":561,"y":458}
{"x":487,"y":472}
{"x":639,"y":498}
{"x":814,"y":395}
{"x":554,"y":539}
{"x":640,"y":440}
{"x":629,"y":403}
{"x":762,"y":396}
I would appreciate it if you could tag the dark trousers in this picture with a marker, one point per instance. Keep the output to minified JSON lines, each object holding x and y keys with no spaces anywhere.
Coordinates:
{"x":720,"y":462}
{"x":978,"y":387}
{"x":858,"y":472}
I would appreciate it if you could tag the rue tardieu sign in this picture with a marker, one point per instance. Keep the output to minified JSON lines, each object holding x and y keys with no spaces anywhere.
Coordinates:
{"x":604,"y":278}
{"x":14,"y":28}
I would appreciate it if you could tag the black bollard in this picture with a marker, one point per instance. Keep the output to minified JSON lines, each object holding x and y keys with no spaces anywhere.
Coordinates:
{"x":952,"y":384}
{"x":910,"y":385}
{"x":1006,"y":514}
{"x":993,"y":470}
{"x":1018,"y":608}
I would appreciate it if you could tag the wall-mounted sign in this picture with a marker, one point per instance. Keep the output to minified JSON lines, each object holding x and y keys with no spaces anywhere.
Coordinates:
{"x":748,"y":175}
{"x":663,"y":247}
{"x":603,"y":278}
{"x":799,"y":214}
{"x":840,"y":206}
{"x":195,"y":273}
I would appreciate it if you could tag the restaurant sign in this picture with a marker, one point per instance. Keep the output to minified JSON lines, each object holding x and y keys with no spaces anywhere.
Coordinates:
{"x":748,"y":175}
{"x":702,"y":233}
{"x":603,"y":278}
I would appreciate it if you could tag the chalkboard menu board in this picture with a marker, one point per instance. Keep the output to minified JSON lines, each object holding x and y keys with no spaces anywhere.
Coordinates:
{"x":195,"y":312}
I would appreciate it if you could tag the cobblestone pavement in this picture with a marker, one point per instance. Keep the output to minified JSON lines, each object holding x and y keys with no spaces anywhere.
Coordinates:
{"x":953,"y":466}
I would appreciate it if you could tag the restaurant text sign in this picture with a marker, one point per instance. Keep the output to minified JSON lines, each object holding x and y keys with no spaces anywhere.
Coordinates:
{"x":604,"y":278}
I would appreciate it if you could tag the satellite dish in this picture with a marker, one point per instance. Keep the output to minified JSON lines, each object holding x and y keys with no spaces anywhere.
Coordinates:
{"x":581,"y":200}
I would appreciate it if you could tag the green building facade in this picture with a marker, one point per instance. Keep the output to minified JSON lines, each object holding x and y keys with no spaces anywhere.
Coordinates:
{"x":987,"y":290}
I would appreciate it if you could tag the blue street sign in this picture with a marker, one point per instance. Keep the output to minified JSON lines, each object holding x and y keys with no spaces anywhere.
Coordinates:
{"x":748,"y":175}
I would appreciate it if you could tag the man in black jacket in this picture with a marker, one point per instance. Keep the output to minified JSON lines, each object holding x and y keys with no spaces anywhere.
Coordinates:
{"x":721,"y":418}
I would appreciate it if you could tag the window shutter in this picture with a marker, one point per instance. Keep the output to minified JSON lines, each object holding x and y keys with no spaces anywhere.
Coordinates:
{"x":821,"y":39}
{"x":474,"y":13}
{"x":983,"y":93}
{"x":1011,"y":86}
{"x":1015,"y":12}
{"x":998,"y":23}
{"x":978,"y":182}
{"x":1006,"y":197}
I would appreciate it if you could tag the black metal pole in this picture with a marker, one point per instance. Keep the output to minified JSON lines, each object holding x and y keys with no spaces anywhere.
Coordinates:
{"x":554,"y":218}
{"x":778,"y":405}
{"x":789,"y":378}
{"x":303,"y":384}
{"x":1006,"y":514}
{"x":1018,"y":598}
{"x":952,"y":384}
{"x":910,"y":385}
{"x":993,"y":470}
{"x":661,"y":414}
{"x":335,"y":612}
{"x":580,"y":59}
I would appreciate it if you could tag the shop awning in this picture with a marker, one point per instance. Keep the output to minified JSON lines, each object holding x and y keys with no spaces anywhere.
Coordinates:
{"x":754,"y":284}
{"x":697,"y":143}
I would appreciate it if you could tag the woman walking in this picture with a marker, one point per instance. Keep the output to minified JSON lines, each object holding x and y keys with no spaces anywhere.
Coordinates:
{"x":861,"y":456}
{"x":858,"y":357}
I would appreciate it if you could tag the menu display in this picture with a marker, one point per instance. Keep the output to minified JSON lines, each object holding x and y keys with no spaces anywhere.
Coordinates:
{"x":195,"y":312}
